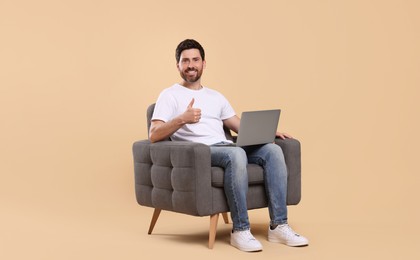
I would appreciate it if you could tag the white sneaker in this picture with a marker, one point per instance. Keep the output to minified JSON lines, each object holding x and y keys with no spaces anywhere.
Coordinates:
{"x":284,"y":234}
{"x":245,"y":241}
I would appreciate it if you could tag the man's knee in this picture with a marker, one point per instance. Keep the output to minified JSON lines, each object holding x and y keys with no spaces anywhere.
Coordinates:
{"x":273,"y":148}
{"x":238,"y":156}
{"x":274,"y":151}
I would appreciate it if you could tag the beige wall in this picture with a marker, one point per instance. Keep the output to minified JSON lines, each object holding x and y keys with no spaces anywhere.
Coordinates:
{"x":77,"y":76}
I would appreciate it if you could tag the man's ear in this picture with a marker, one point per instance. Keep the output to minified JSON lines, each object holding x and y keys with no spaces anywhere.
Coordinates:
{"x":204,"y":64}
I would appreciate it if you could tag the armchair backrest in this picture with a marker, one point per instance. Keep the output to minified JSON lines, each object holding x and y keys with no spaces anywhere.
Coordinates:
{"x":149,"y":115}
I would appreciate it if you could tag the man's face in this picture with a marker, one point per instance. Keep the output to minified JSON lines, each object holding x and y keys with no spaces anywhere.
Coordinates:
{"x":191,"y":65}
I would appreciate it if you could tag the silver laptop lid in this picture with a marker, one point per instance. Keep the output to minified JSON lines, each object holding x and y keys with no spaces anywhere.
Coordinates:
{"x":258,"y":127}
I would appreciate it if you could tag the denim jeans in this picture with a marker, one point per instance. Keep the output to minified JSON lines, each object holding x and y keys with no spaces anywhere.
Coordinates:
{"x":234,"y":160}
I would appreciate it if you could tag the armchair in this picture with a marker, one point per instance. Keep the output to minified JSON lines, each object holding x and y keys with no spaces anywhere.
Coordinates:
{"x":178,"y":176}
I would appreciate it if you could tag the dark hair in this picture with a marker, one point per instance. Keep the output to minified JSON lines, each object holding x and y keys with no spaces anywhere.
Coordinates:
{"x":186,"y":45}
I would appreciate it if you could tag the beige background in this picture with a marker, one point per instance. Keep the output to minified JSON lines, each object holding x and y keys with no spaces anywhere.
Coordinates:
{"x":77,"y":76}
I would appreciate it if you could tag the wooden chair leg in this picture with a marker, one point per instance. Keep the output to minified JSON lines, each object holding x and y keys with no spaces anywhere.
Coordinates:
{"x":225,"y":217}
{"x":213,"y":227}
{"x":154,"y":219}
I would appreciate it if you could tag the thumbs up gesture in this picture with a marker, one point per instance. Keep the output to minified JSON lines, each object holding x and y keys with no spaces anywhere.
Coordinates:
{"x":192,"y":115}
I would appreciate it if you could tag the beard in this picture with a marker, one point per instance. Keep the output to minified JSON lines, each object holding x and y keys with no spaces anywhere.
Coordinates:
{"x":191,"y":78}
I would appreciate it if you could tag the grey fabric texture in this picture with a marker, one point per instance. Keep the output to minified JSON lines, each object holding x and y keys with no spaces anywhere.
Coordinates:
{"x":178,"y":176}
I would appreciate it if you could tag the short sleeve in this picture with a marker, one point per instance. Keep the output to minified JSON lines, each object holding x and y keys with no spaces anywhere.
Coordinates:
{"x":227,"y":109}
{"x":164,"y":108}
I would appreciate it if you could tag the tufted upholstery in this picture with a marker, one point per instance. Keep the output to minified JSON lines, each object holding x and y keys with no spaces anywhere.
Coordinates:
{"x":171,"y":176}
{"x":178,"y":176}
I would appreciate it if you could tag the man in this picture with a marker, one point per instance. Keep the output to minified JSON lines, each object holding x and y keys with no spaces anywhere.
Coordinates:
{"x":189,"y":111}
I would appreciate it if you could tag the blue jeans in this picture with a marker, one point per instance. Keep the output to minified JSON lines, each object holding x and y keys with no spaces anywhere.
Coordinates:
{"x":234,"y":160}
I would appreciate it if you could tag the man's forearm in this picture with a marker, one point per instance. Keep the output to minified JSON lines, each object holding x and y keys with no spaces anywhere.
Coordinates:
{"x":161,"y":130}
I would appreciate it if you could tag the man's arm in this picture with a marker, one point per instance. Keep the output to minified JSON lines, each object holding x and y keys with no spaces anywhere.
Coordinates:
{"x":232,"y":123}
{"x":160,"y":130}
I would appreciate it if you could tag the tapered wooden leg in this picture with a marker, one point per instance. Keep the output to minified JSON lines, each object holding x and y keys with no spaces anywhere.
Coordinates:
{"x":154,"y":219}
{"x":225,"y":217}
{"x":212,"y":232}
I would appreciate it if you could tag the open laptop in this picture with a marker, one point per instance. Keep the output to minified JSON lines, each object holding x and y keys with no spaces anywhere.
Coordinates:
{"x":257,"y":127}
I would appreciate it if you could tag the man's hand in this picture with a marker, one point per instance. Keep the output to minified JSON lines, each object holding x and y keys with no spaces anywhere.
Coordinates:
{"x":159,"y":130}
{"x":283,"y":135}
{"x":191,"y":115}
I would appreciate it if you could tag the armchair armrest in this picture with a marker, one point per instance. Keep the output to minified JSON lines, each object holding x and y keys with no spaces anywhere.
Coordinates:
{"x":292,"y":155}
{"x":173,"y":175}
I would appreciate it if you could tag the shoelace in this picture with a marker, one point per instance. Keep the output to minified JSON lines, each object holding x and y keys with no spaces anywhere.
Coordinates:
{"x":247,"y":235}
{"x":289,"y":231}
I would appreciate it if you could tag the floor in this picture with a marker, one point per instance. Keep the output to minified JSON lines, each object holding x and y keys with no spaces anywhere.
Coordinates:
{"x":121,"y":233}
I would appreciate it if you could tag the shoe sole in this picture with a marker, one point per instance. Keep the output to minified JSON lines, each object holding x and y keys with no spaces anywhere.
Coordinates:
{"x":276,"y":240}
{"x":246,"y":249}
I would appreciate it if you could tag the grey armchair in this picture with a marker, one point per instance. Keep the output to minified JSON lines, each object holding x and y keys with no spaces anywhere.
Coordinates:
{"x":178,"y":176}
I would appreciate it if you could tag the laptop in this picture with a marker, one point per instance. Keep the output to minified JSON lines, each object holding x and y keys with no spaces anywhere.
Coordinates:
{"x":257,"y":127}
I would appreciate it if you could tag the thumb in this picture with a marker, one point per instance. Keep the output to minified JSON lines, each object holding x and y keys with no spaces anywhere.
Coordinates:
{"x":191,"y":103}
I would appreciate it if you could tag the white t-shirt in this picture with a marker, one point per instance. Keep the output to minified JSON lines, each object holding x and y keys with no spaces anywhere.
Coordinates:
{"x":174,"y":101}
